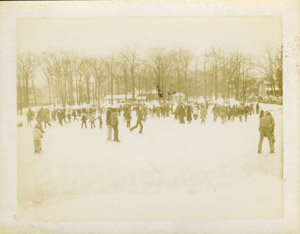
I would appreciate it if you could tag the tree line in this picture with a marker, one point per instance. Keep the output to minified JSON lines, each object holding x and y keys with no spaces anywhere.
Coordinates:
{"x":73,"y":79}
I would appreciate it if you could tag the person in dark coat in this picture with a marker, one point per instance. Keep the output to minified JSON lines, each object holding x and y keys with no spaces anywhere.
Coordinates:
{"x":139,"y":120}
{"x":40,"y":115}
{"x":53,"y":115}
{"x":189,"y":114}
{"x":181,"y":114}
{"x":83,"y":119}
{"x":246,"y":112}
{"x":215,"y":112}
{"x":74,"y":115}
{"x":176,"y":112}
{"x":127,"y":116}
{"x":108,"y":123}
{"x":30,"y":116}
{"x":60,"y":117}
{"x":257,"y":108}
{"x":100,"y":119}
{"x":266,"y":129}
{"x":114,"y":124}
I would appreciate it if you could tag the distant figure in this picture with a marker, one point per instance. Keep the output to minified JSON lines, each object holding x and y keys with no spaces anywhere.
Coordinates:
{"x":37,"y":135}
{"x":257,"y":108}
{"x":92,"y":120}
{"x":114,"y":124}
{"x":30,"y":116}
{"x":127,"y":116}
{"x":176,"y":112}
{"x":74,"y":115}
{"x":266,"y":129}
{"x":100,"y":120}
{"x":181,"y":113}
{"x":215,"y":112}
{"x":189,"y":114}
{"x":69,"y":116}
{"x":108,"y":123}
{"x":83,"y":119}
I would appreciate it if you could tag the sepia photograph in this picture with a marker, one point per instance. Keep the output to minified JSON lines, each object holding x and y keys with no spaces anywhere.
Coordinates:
{"x":183,"y":112}
{"x":149,"y":117}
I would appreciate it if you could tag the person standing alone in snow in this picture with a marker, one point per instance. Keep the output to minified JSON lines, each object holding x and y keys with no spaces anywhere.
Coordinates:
{"x":266,"y":129}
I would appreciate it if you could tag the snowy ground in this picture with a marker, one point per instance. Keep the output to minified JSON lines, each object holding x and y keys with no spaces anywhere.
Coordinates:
{"x":170,"y":172}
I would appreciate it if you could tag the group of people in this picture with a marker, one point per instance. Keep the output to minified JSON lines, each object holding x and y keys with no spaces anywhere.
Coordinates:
{"x":184,"y":112}
{"x":190,"y":111}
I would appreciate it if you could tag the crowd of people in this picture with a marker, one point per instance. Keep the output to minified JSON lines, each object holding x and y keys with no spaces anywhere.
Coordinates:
{"x":183,"y":112}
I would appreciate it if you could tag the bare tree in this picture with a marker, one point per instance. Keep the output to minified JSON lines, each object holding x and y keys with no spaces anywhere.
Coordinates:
{"x":26,"y":65}
{"x":158,"y":58}
{"x":98,"y":73}
{"x":268,"y":67}
{"x":130,"y":54}
{"x":124,"y":66}
{"x":278,"y":68}
{"x":110,"y":64}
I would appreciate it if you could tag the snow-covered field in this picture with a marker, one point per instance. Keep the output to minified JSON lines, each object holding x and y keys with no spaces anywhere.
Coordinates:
{"x":170,"y":172}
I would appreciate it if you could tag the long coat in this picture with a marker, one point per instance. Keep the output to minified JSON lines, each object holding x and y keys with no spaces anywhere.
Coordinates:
{"x":181,"y":113}
{"x":114,"y":119}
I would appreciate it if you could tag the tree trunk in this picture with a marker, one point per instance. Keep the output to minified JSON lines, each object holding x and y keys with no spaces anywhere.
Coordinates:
{"x":112,"y":87}
{"x":77,"y":91}
{"x":33,"y":92}
{"x":49,"y":90}
{"x":87,"y":89}
{"x":133,"y":84}
{"x":26,"y":91}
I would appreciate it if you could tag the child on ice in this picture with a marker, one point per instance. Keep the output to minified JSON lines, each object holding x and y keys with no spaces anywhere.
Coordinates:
{"x":37,"y":135}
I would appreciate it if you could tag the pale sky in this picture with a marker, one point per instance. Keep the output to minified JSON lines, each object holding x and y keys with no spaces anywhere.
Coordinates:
{"x":90,"y":36}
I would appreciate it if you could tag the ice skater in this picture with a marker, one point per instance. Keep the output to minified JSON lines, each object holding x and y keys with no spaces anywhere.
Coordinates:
{"x":139,"y":120}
